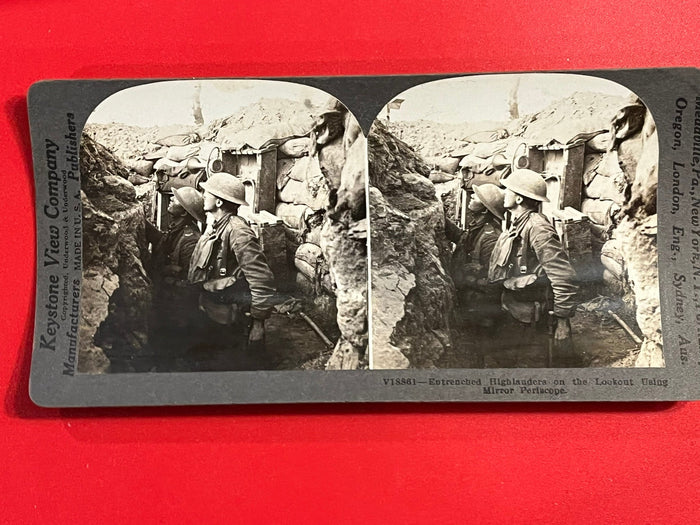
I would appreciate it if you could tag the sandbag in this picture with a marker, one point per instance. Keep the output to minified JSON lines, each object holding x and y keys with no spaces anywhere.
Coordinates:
{"x":599,"y":143}
{"x":463,"y":151}
{"x":156,"y":154}
{"x":262,"y":135}
{"x":331,"y":159}
{"x":180,"y":153}
{"x":490,"y":176}
{"x":293,"y":215}
{"x":169,"y":167}
{"x":284,"y":168}
{"x":599,"y":211}
{"x":205,"y":150}
{"x":309,"y":273}
{"x":446,"y":164}
{"x":475,"y":164}
{"x":308,"y":259}
{"x":306,"y":169}
{"x":307,"y":185}
{"x":629,"y":152}
{"x":297,"y":147}
{"x":181,"y":139}
{"x":500,"y":160}
{"x":606,"y":188}
{"x":614,"y":285}
{"x":487,"y":136}
{"x":437,"y":177}
{"x":590,"y":166}
{"x":141,"y":166}
{"x":610,"y":164}
{"x":294,"y":192}
{"x":185,"y":179}
{"x":612,"y":259}
{"x":486,"y":150}
{"x":137,"y":179}
{"x":299,"y":169}
{"x":310,"y":253}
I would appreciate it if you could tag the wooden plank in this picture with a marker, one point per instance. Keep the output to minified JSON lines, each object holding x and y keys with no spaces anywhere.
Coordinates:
{"x":572,"y":178}
{"x":266,"y":191}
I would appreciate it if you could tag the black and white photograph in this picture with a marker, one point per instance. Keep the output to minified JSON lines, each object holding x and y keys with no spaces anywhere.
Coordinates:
{"x":459,"y":237}
{"x":223,"y":229}
{"x":513,"y":222}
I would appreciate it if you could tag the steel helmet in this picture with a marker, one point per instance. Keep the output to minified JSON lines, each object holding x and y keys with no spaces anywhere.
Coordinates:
{"x":491,"y":196}
{"x":226,"y":187}
{"x":527,"y":183}
{"x":192,"y":201}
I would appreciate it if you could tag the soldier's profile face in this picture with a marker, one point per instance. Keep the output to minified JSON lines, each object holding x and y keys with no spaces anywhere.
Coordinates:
{"x":475,"y":204}
{"x":209,"y":201}
{"x":175,"y":208}
{"x":509,"y":199}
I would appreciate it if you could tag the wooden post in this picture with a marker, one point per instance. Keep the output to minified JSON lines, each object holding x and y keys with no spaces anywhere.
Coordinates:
{"x":571,"y":183}
{"x":266,"y":191}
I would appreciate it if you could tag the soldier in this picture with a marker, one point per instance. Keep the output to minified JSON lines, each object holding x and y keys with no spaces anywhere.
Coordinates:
{"x":237,"y":285}
{"x":475,"y":244}
{"x":174,"y":303}
{"x":533,"y":267}
{"x":479,"y":301}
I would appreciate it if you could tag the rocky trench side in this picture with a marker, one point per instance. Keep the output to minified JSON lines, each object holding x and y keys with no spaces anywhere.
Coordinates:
{"x":116,"y":293}
{"x":412,"y":293}
{"x":344,"y":245}
{"x":638,"y":231}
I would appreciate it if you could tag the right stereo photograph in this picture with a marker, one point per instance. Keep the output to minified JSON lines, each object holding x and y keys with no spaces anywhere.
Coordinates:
{"x":513,"y":224}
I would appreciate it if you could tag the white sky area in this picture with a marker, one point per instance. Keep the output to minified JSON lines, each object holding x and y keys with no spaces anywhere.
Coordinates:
{"x":170,"y":102}
{"x":485,"y":97}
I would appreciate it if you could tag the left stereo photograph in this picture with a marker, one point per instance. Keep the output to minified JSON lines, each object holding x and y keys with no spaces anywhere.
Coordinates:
{"x":223,"y":229}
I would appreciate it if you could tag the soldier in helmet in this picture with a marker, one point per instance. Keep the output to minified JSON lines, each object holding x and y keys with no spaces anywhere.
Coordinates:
{"x":237,"y":285}
{"x":477,"y":241}
{"x":531,"y":264}
{"x":479,"y":304}
{"x":173,"y":249}
{"x":174,"y":304}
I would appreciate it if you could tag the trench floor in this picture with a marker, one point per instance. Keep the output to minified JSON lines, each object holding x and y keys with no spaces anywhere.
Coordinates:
{"x":597,"y":339}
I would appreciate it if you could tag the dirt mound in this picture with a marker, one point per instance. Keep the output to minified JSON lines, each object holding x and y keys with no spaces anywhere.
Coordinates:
{"x":130,"y":142}
{"x":582,"y":112}
{"x":435,"y":139}
{"x":297,"y":116}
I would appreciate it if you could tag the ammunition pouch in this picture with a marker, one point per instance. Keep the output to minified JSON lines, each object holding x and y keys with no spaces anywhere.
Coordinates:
{"x":526,"y":297}
{"x":226,"y":300}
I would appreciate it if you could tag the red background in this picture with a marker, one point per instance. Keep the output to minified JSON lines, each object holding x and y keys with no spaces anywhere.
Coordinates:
{"x":466,"y":463}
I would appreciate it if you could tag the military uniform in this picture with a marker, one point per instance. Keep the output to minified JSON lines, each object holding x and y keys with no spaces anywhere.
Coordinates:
{"x":470,"y":261}
{"x":535,"y":270}
{"x":175,"y":314}
{"x":236,"y":282}
{"x":478,"y":302}
{"x":172,"y":250}
{"x":232,"y":268}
